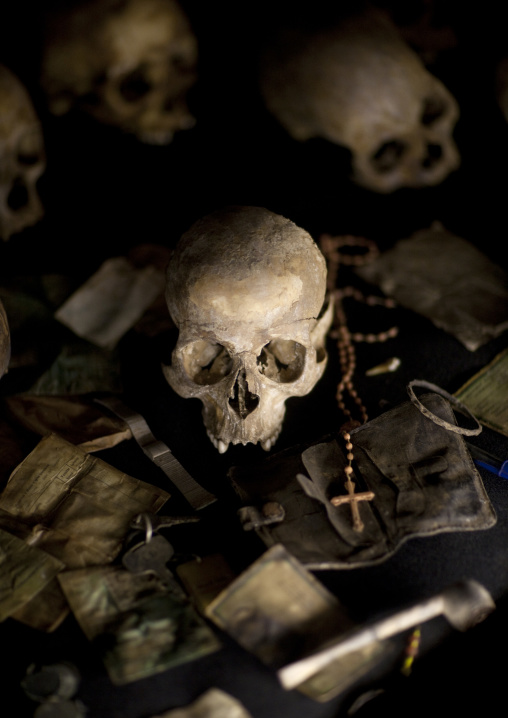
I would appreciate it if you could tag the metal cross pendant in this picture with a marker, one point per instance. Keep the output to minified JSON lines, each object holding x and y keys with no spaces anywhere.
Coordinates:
{"x":353,"y":499}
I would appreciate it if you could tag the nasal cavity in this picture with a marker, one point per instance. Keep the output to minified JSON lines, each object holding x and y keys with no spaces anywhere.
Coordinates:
{"x":18,"y":197}
{"x":243,"y":402}
{"x":433,"y":155}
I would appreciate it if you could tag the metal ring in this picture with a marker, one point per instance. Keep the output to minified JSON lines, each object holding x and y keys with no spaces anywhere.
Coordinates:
{"x":145,"y":517}
{"x":453,"y":401}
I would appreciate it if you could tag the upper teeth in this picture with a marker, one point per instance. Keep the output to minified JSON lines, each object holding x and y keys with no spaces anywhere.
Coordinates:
{"x":222,"y":446}
{"x":268,"y":443}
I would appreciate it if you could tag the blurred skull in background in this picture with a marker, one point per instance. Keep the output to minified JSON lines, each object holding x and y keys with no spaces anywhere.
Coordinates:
{"x":358,"y":84}
{"x":127,"y":63}
{"x":22,"y":157}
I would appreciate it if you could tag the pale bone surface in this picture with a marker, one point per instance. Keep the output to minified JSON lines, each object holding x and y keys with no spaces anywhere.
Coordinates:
{"x":129,"y":64}
{"x":5,"y":341}
{"x":359,"y":85}
{"x":246,"y":289}
{"x":22,"y":157}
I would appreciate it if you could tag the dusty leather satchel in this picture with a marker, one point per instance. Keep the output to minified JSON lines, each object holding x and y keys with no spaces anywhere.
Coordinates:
{"x":413,"y":476}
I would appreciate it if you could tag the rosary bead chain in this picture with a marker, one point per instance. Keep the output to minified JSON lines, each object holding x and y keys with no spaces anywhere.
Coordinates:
{"x":331,"y":247}
{"x":352,"y":497}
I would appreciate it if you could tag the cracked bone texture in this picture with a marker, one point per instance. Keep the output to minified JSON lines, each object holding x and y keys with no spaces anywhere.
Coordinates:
{"x":22,"y":157}
{"x":356,"y":83}
{"x":246,"y":289}
{"x":128,"y":63}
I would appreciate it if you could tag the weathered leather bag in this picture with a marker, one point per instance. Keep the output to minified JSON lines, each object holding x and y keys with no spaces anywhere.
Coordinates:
{"x":413,"y":475}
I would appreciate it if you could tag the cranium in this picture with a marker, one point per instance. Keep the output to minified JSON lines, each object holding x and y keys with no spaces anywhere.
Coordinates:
{"x":127,"y":63}
{"x":246,"y":289}
{"x":5,"y":341}
{"x":22,"y":157}
{"x":358,"y":84}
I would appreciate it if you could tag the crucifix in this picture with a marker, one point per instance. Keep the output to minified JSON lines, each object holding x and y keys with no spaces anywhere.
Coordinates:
{"x":351,"y":497}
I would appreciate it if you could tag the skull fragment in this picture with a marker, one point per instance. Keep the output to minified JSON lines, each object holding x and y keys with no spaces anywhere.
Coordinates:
{"x":246,"y":289}
{"x":128,"y":63}
{"x":22,"y":157}
{"x":359,"y":85}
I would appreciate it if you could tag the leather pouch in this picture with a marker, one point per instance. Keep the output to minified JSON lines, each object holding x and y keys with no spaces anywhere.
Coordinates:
{"x":422,"y":476}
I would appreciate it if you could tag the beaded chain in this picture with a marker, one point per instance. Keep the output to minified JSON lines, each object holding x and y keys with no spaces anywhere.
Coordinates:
{"x":352,"y":497}
{"x":364,"y":250}
{"x":331,"y":248}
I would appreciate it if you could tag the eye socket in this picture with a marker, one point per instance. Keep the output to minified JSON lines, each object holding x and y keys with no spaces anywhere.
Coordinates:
{"x":28,"y":159}
{"x":134,"y":86}
{"x":206,"y":362}
{"x":433,"y":109}
{"x":282,"y":360}
{"x":29,"y":149}
{"x":387,"y":156}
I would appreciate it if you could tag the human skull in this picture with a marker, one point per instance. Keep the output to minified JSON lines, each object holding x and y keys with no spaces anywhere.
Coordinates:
{"x":246,"y":289}
{"x":22,"y":157}
{"x":127,"y":63}
{"x":359,"y":85}
{"x":5,"y":341}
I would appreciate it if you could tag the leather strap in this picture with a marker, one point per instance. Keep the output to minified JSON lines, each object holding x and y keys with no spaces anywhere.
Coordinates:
{"x":160,"y":454}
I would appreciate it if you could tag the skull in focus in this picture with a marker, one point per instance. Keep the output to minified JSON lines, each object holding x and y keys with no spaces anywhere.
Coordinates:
{"x":127,"y":63}
{"x":5,"y":341}
{"x":246,"y":289}
{"x":22,"y":157}
{"x":358,"y":84}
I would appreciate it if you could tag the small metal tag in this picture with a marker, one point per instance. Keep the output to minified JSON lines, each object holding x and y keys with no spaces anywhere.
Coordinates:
{"x":151,"y":555}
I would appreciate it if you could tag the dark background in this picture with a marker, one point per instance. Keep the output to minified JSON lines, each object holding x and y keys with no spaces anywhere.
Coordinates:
{"x":105,"y":193}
